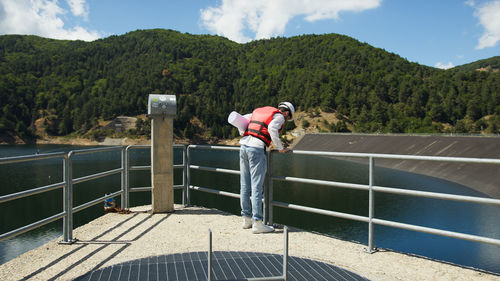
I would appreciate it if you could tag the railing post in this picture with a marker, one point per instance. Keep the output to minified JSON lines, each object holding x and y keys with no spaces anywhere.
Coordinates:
{"x":184,"y":176}
{"x":269,"y":197}
{"x":285,"y":254}
{"x":209,"y":256}
{"x":371,"y":248}
{"x":188,"y":176}
{"x":266,"y":191}
{"x":65,"y":198}
{"x":125,"y":201}
{"x":68,"y":199}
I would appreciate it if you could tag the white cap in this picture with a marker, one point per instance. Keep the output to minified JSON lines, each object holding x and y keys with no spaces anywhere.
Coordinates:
{"x":289,"y":107}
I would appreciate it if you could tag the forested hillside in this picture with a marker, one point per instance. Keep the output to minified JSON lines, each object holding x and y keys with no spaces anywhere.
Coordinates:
{"x":74,"y":84}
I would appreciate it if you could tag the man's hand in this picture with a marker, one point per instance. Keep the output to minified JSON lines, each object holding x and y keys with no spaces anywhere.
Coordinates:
{"x":285,"y":150}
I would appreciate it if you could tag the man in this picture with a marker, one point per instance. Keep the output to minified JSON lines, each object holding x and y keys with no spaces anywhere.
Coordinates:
{"x":263,"y":128}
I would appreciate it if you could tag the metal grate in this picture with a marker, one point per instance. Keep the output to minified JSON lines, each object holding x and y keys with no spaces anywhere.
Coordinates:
{"x":225,"y":266}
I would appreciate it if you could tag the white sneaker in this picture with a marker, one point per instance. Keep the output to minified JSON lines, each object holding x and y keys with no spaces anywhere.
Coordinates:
{"x":247,"y":222}
{"x":260,"y":227}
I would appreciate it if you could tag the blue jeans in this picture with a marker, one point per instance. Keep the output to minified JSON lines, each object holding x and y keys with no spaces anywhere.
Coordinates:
{"x":253,"y":166}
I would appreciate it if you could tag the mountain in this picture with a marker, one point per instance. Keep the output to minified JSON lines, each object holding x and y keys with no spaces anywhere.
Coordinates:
{"x":490,"y":65}
{"x":71,"y":86}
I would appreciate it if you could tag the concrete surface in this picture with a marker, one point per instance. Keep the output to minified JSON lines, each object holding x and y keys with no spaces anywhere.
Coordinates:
{"x":117,"y":238}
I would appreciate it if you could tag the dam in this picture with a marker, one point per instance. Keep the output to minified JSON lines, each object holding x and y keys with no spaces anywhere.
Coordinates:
{"x":482,"y":178}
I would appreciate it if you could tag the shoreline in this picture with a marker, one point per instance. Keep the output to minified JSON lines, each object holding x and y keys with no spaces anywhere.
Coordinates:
{"x":108,"y":141}
{"x":87,"y":142}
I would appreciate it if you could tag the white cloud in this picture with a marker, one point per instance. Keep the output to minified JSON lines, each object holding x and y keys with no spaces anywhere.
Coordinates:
{"x":43,"y":18}
{"x":79,"y":8}
{"x":489,"y":18}
{"x":444,"y":66}
{"x":267,"y":19}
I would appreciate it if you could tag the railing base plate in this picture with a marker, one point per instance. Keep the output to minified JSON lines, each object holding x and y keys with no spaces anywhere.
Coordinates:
{"x":371,"y":251}
{"x":70,"y":242}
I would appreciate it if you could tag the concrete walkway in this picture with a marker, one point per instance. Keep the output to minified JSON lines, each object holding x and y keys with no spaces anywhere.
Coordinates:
{"x":118,"y":238}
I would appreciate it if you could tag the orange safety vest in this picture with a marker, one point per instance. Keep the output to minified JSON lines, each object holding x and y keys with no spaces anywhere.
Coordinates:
{"x":257,"y":127}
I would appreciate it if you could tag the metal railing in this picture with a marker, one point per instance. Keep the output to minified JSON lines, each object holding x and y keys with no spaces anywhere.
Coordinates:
{"x":18,"y":195}
{"x":371,"y":188}
{"x":284,"y":272}
{"x":268,"y":201}
{"x":128,"y":168}
{"x":68,"y":182}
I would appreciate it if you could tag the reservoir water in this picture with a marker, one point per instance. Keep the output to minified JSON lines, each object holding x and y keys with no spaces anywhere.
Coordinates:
{"x":447,"y":215}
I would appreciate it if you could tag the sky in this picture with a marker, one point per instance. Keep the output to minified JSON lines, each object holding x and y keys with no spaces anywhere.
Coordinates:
{"x":437,"y":33}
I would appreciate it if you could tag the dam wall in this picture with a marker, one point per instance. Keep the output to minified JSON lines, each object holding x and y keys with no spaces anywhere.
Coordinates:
{"x":484,"y":178}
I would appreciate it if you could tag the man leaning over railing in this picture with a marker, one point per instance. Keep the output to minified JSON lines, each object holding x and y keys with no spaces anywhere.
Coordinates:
{"x":263,"y":128}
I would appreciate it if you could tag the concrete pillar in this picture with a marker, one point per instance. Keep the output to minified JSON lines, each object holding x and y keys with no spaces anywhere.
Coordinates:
{"x":162,"y":165}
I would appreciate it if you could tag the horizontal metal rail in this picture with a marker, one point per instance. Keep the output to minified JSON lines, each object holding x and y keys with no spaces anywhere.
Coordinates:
{"x":400,"y":157}
{"x":149,"y":188}
{"x":322,"y":182}
{"x":436,"y":195}
{"x":145,"y":168}
{"x":321,"y":211}
{"x":92,"y":150}
{"x":139,"y":168}
{"x":452,"y":234}
{"x":32,"y":226}
{"x":215,"y":191}
{"x":96,"y":201}
{"x":97,"y":175}
{"x":393,"y":190}
{"x":211,"y":169}
{"x":215,"y":147}
{"x":140,"y":189}
{"x":142,"y":146}
{"x":26,"y":193}
{"x":139,"y":146}
{"x":25,"y":158}
{"x":405,"y":226}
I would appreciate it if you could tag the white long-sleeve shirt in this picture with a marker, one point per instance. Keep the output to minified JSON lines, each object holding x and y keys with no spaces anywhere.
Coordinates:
{"x":273,"y":128}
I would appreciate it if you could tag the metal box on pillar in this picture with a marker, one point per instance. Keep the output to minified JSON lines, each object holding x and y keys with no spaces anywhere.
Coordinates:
{"x":162,"y":110}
